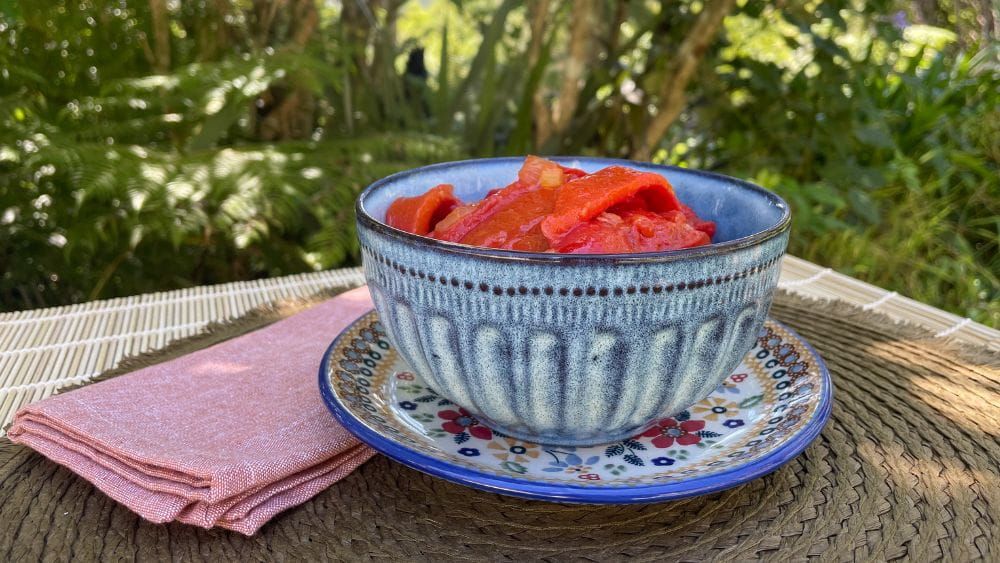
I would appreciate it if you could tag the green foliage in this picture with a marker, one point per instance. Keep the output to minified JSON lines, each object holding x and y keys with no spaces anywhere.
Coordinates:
{"x":242,"y":159}
{"x":143,"y":182}
{"x":888,"y":160}
{"x":114,"y":220}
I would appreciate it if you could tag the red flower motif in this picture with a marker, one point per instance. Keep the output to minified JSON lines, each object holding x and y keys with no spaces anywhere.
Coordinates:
{"x":460,"y":421}
{"x":667,"y":430}
{"x":590,"y":477}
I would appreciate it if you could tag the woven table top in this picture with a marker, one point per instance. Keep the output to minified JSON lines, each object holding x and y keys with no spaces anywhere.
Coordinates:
{"x":905,"y":469}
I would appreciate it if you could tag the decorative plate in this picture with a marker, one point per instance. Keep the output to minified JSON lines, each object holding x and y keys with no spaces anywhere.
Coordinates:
{"x":762,"y":416}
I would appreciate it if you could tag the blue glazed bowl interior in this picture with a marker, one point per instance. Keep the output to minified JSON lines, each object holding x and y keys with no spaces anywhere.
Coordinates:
{"x":740,"y":209}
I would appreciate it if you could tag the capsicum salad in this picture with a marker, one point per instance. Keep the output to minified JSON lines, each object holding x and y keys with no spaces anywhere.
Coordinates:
{"x":552,"y":208}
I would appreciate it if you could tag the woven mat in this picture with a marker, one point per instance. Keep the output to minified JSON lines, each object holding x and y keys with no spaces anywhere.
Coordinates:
{"x":907,"y":467}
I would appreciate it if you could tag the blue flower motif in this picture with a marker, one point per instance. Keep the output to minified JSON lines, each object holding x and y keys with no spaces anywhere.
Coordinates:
{"x":469,"y":452}
{"x":733,"y":423}
{"x":723,"y":388}
{"x":574,"y":459}
{"x":662,"y":461}
{"x":408,"y":405}
{"x":572,"y":463}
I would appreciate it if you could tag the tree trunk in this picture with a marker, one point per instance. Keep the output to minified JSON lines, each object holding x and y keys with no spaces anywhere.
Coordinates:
{"x":161,"y":36}
{"x":574,"y":66}
{"x":385,"y":39}
{"x":682,"y":69}
{"x":213,"y":35}
{"x":988,"y":20}
{"x":264,"y":14}
{"x":291,"y":111}
{"x":357,"y":22}
{"x":926,"y":12}
{"x":538,"y":13}
{"x":615,"y":32}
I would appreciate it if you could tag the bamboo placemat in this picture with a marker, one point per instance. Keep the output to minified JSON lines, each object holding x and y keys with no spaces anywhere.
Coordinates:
{"x":43,"y":349}
{"x":905,"y":469}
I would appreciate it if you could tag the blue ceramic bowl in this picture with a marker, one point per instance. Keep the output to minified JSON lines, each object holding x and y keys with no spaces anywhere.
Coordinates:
{"x":574,"y":349}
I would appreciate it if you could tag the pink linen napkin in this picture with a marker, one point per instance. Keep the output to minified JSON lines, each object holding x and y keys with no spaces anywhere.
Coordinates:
{"x":226,"y":436}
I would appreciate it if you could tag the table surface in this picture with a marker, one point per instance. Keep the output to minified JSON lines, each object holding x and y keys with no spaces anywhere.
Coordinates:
{"x":44,"y":349}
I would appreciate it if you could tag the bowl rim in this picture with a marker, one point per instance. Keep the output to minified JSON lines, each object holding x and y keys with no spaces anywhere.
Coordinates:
{"x":783,"y":224}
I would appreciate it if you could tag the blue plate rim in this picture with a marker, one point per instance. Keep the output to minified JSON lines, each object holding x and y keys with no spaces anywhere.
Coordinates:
{"x":673,"y":490}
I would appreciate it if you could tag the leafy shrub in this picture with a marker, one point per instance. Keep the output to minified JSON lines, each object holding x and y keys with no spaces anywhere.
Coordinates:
{"x":890,"y":165}
{"x":86,"y":220}
{"x":148,"y":146}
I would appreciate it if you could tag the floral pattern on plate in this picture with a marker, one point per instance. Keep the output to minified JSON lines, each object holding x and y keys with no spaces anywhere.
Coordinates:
{"x":768,"y":399}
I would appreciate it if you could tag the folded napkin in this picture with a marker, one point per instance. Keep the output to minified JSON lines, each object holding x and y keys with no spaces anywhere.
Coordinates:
{"x":226,"y":436}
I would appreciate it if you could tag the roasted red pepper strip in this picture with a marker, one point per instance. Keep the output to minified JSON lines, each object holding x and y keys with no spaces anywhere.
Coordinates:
{"x":707,"y":227}
{"x":551,"y":208}
{"x":419,"y":214}
{"x":518,"y":224}
{"x":634,"y":231}
{"x":455,"y":228}
{"x":548,"y":174}
{"x":585,"y":198}
{"x":507,"y":205}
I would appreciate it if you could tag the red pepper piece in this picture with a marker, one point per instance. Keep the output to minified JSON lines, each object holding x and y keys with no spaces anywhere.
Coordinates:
{"x":452,"y":218}
{"x":653,"y":232}
{"x":572,"y":173}
{"x":536,"y":173}
{"x":518,"y":224}
{"x":707,"y":227}
{"x":633,"y":203}
{"x":604,"y":234}
{"x":419,"y":214}
{"x":585,"y":198}
{"x":634,"y":231}
{"x":532,"y":241}
{"x":547,"y":174}
{"x":457,"y":225}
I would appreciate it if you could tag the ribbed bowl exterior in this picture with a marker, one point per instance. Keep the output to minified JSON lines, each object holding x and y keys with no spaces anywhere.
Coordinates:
{"x":570,"y":352}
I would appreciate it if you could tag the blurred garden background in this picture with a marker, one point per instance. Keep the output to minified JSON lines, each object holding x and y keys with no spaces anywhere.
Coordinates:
{"x":156,"y":144}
